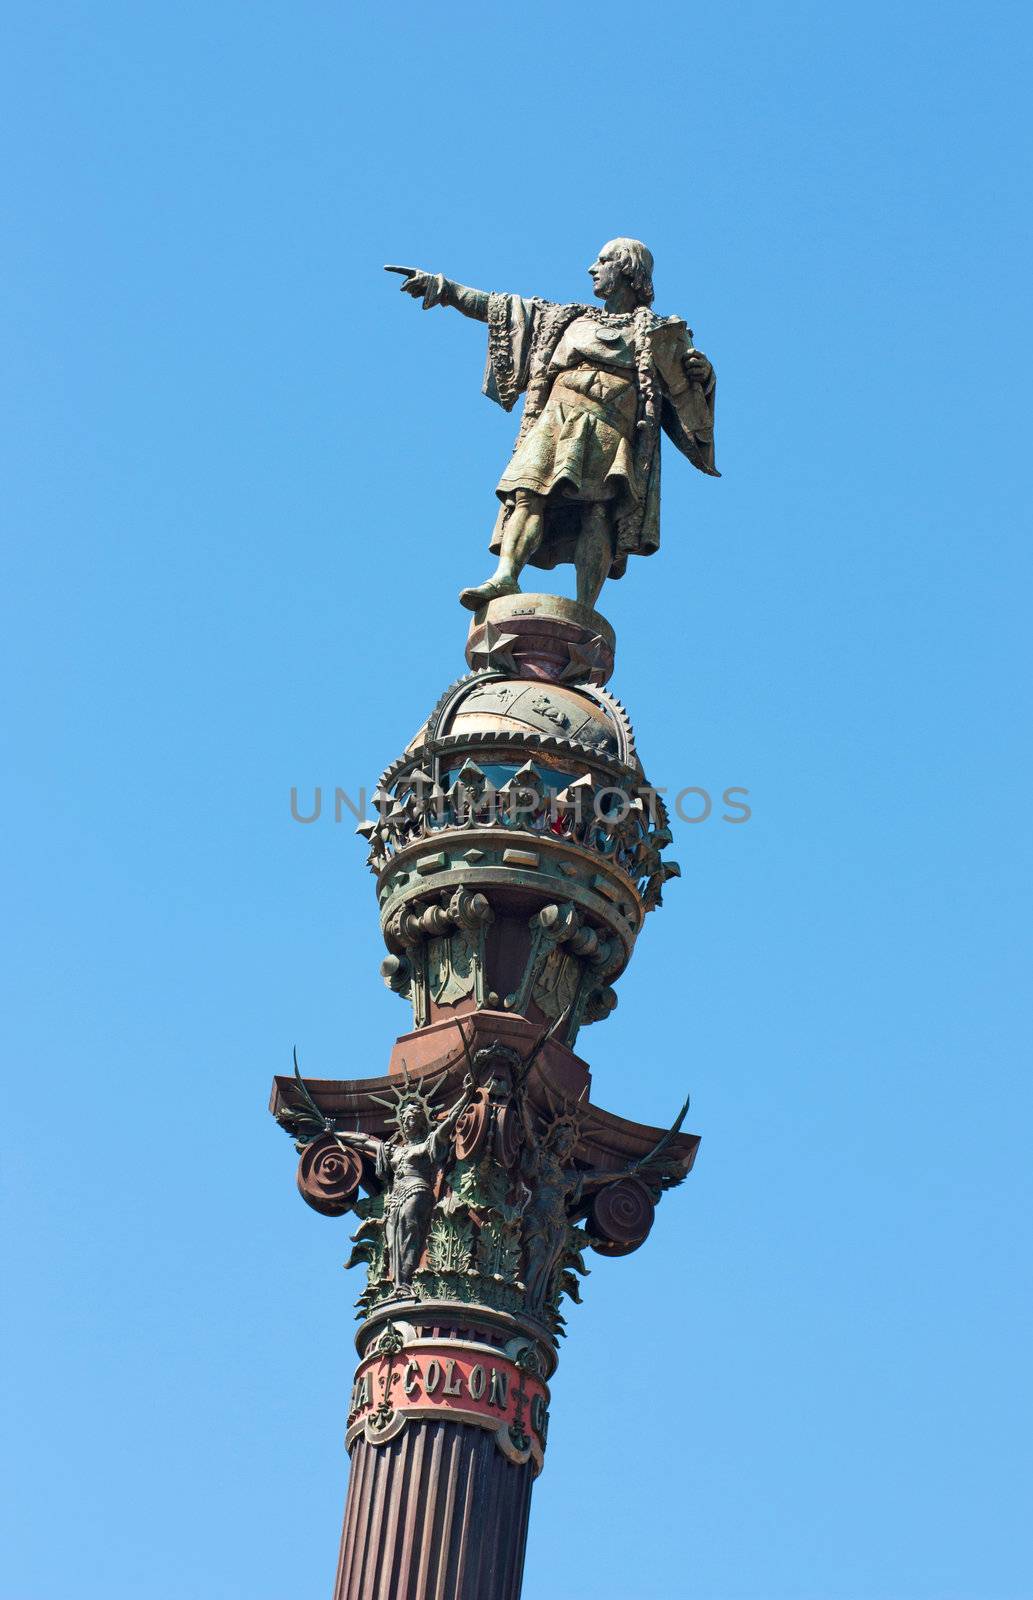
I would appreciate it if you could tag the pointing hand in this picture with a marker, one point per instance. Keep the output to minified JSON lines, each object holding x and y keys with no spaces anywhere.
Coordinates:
{"x":415,"y":281}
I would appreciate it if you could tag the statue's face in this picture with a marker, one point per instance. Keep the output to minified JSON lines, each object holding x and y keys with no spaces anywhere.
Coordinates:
{"x":412,"y":1123}
{"x":563,"y":1143}
{"x":605,"y":274}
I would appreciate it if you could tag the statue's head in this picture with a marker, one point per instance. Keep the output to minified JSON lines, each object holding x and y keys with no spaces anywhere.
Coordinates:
{"x":495,"y":1066}
{"x":626,"y":259}
{"x":562,"y":1138}
{"x":412,"y":1120}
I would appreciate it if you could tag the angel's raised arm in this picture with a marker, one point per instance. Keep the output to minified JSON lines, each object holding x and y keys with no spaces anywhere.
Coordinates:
{"x":527,"y":1122}
{"x":452,"y":1116}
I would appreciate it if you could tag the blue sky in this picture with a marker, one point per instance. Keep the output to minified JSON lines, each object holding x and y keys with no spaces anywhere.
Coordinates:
{"x":244,"y":479}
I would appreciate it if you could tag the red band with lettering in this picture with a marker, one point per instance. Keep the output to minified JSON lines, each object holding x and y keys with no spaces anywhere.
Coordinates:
{"x":444,"y":1380}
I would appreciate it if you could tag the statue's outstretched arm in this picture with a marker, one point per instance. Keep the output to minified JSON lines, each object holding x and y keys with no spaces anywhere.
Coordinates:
{"x":360,"y":1141}
{"x":656,"y":1166}
{"x":436,"y":290}
{"x":596,"y":1179}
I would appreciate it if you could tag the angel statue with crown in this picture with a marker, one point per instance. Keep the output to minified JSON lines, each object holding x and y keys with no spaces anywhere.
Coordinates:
{"x":556,"y":1188}
{"x":583,"y":483}
{"x":408,"y":1166}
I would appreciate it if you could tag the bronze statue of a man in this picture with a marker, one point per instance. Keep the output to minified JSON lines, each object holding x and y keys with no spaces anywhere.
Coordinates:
{"x":583,"y":484}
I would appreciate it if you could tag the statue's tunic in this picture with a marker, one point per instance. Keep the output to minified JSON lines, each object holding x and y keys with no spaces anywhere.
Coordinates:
{"x":599,"y":388}
{"x":582,"y":445}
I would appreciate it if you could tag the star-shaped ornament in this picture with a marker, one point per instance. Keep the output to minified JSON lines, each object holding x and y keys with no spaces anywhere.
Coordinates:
{"x":588,"y":665}
{"x":494,"y":652}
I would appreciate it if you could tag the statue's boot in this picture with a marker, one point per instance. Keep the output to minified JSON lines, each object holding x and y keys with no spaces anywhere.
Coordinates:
{"x":473,"y":599}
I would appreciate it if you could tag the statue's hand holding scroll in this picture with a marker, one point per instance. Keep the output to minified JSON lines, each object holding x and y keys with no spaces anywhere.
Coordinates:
{"x":697,"y":368}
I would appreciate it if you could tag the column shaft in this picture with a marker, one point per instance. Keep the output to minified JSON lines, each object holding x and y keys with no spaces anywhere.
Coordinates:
{"x":437,"y":1513}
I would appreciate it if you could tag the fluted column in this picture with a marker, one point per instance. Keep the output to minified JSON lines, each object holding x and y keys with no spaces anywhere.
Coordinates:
{"x":437,"y":1513}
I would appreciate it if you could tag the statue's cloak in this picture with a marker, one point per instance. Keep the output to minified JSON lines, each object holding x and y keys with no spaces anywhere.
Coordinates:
{"x":522,"y":339}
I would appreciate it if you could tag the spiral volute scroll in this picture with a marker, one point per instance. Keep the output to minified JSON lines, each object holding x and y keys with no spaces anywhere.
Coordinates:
{"x":328,"y":1176}
{"x":507,"y":1136}
{"x":472,"y":1128}
{"x":621,"y":1216}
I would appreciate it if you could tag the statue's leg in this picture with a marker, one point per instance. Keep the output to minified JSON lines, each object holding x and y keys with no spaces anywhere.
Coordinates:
{"x":552,"y":1262}
{"x":391,"y":1245}
{"x":412,"y":1228}
{"x":541,"y":1259}
{"x":404,"y":1246}
{"x":534,"y":1275}
{"x":593,"y":552}
{"x":521,"y":537}
{"x":522,"y":534}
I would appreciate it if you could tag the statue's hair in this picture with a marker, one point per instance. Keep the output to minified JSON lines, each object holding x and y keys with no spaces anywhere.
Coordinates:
{"x":636,"y":263}
{"x":411,"y":1094}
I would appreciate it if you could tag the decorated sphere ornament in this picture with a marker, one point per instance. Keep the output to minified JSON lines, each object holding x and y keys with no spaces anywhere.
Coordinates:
{"x":520,"y":804}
